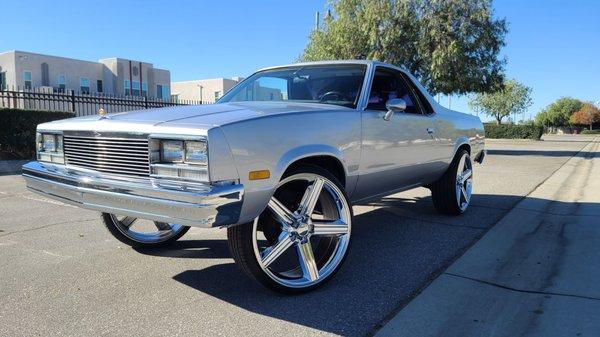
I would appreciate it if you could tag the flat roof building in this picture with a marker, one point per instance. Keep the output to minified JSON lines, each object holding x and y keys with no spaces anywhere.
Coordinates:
{"x":111,"y":76}
{"x":209,"y":90}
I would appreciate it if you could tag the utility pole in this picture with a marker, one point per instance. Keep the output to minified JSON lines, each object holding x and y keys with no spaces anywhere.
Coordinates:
{"x":318,"y":18}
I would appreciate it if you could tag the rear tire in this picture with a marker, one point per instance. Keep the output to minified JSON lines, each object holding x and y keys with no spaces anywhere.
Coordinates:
{"x":293,"y":246}
{"x":451,"y":194}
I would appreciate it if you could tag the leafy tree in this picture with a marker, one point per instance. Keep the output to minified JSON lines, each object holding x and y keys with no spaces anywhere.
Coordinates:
{"x":512,"y":98}
{"x":559,"y":112}
{"x":587,"y":115}
{"x":452,"y":46}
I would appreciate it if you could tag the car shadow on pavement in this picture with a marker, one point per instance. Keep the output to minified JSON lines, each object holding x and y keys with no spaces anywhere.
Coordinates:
{"x":392,"y":257}
{"x":191,"y":249}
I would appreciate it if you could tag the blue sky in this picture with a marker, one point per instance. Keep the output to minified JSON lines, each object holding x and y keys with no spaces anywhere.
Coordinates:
{"x":552,"y":46}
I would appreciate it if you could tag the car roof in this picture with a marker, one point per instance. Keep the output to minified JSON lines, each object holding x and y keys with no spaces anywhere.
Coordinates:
{"x":333,"y":62}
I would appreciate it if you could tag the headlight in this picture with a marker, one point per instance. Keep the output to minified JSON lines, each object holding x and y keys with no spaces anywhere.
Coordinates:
{"x":195,"y":152}
{"x":48,"y":143}
{"x":180,"y":159}
{"x":171,"y":151}
{"x":50,"y":148}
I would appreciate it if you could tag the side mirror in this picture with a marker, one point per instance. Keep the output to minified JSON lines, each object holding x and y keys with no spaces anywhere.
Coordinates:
{"x":394,"y":105}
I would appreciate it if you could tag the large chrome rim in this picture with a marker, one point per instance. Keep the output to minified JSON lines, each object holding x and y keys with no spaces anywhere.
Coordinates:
{"x":302,"y":247}
{"x":464,"y":182}
{"x":145,"y":231}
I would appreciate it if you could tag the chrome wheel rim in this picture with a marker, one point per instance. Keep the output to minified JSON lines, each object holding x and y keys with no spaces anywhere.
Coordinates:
{"x":316,"y":233}
{"x":145,"y":231}
{"x":464,"y":182}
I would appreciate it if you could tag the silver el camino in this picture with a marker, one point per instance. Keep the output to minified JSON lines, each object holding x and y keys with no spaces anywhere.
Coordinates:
{"x":278,"y":161}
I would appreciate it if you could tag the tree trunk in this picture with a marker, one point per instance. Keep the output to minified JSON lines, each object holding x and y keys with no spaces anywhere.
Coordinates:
{"x":498,"y":120}
{"x":591,"y":126}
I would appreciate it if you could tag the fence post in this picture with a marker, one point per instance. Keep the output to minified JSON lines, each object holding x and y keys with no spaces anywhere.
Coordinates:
{"x":73,"y":101}
{"x":146,"y":102}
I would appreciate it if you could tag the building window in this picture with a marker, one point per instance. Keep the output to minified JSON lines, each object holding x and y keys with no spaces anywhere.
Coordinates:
{"x":144,"y":89}
{"x":84,"y":85}
{"x":27,"y":79}
{"x":3,"y":80}
{"x":127,"y":87}
{"x":45,"y":74}
{"x":159,"y":91}
{"x":217,"y":95}
{"x":62,"y":83}
{"x":135,"y":88}
{"x":99,"y":86}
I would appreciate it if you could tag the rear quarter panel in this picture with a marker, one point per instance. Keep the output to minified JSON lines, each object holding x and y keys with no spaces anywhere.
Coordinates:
{"x":454,"y":129}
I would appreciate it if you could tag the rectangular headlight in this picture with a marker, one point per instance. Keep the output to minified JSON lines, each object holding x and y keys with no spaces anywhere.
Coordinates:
{"x":50,"y":148}
{"x":171,"y":151}
{"x":195,"y":152}
{"x":48,"y":143}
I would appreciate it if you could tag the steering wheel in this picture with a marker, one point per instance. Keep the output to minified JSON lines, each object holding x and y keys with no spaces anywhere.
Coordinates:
{"x":339,"y":95}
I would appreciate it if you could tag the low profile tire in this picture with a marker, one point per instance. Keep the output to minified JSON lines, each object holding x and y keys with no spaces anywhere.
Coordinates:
{"x":302,"y":238}
{"x":452,"y":193}
{"x":139,"y":233}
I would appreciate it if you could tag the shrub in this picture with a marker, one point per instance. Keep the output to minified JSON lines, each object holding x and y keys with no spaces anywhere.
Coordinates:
{"x":17,"y":131}
{"x":512,"y":131}
{"x":590,"y":132}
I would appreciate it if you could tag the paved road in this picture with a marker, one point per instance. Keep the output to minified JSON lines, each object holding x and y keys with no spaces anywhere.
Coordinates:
{"x":61,"y":273}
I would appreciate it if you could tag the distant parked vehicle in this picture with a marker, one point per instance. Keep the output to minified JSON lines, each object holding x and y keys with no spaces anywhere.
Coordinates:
{"x":278,"y":161}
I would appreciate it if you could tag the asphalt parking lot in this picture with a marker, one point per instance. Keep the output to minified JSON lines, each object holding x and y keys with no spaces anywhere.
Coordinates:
{"x":62,"y":273}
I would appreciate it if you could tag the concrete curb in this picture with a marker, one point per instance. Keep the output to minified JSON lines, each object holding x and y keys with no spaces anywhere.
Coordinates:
{"x":8,"y":167}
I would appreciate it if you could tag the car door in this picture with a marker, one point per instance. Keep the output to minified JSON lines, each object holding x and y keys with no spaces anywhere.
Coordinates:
{"x":395,"y":152}
{"x":442,"y":132}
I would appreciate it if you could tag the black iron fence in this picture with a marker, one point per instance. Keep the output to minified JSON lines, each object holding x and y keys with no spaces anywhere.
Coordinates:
{"x":81,"y":104}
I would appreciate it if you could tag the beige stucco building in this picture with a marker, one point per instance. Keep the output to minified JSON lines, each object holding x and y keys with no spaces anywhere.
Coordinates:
{"x":111,"y":76}
{"x":203,"y":90}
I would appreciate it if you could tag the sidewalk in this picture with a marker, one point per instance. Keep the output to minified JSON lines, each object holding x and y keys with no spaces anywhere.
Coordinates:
{"x":536,"y":273}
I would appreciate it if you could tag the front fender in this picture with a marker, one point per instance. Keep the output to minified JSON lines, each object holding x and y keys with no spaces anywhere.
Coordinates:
{"x":305,"y":151}
{"x":256,"y":200}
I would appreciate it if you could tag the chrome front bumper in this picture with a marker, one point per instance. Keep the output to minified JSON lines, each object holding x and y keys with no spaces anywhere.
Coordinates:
{"x":191,"y":204}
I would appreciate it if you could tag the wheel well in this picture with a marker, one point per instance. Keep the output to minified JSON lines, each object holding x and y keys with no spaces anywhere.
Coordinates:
{"x":466,"y":147}
{"x":328,"y":163}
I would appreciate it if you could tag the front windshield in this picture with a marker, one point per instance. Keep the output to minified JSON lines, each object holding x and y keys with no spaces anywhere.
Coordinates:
{"x":329,"y":84}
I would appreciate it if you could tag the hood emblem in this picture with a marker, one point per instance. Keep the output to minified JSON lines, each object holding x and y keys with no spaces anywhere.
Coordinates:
{"x":102,"y":114}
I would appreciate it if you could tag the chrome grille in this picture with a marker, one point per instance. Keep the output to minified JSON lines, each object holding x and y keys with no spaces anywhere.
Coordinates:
{"x":114,"y":155}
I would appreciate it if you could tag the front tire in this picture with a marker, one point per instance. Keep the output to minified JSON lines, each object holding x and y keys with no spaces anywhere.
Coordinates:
{"x":451,"y":194}
{"x":301,"y":239}
{"x":139,"y":233}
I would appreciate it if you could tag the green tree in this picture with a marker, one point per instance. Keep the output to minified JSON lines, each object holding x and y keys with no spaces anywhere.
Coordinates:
{"x":452,"y":46}
{"x":512,"y":98}
{"x":559,"y":112}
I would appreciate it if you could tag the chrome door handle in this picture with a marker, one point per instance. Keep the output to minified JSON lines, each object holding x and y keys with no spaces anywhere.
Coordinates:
{"x":430,"y":131}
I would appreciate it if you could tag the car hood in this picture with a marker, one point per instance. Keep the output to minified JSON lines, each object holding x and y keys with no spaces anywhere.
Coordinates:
{"x":183,"y":119}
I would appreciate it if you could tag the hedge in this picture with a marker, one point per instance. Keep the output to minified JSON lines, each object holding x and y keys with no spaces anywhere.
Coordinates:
{"x":512,"y":131}
{"x":590,"y":132}
{"x":17,"y":131}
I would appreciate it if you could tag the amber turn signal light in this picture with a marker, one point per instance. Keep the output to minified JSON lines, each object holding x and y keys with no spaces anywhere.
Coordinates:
{"x":258,"y":175}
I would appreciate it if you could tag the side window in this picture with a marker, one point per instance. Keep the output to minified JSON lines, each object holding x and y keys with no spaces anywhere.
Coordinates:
{"x":389,"y":84}
{"x":425,"y":106}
